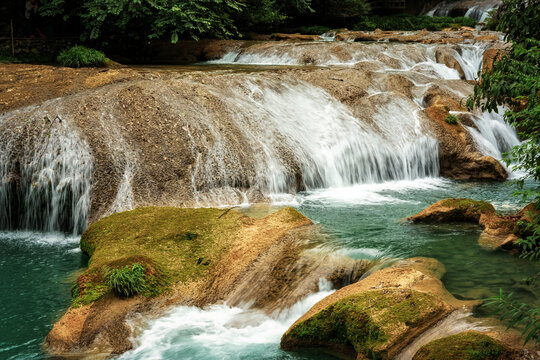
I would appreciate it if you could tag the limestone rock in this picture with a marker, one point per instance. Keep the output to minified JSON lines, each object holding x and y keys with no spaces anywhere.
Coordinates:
{"x":445,"y":56}
{"x":377,"y":316}
{"x":470,"y":345}
{"x":450,"y":210}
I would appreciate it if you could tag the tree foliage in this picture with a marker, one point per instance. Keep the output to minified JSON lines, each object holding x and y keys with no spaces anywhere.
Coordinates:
{"x":149,"y":18}
{"x":514,"y":82}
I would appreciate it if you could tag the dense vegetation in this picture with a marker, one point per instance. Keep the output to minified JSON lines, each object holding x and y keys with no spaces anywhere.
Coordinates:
{"x":175,"y":19}
{"x":406,"y":22}
{"x":514,"y":82}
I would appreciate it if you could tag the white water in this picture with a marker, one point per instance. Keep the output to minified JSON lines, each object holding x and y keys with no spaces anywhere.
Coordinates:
{"x":477,"y":10}
{"x":219,"y":332}
{"x":55,"y":172}
{"x":492,"y":134}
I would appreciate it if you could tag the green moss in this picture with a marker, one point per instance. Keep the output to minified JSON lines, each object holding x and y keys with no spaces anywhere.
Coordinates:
{"x":463,"y":346}
{"x":171,"y":244}
{"x":474,"y":206}
{"x":451,"y":119}
{"x":365,"y":321}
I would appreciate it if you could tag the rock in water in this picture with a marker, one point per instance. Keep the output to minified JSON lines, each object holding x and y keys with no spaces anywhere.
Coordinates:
{"x":378,"y":316}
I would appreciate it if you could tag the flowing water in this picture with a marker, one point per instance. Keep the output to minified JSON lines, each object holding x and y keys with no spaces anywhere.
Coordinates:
{"x":361,"y":175}
{"x":477,"y":10}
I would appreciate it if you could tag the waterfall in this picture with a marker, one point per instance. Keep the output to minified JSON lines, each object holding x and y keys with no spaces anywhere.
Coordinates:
{"x":492,"y":135}
{"x":47,"y":187}
{"x":302,"y":138}
{"x":479,"y":11}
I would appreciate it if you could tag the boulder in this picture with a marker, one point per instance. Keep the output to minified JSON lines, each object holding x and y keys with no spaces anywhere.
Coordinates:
{"x":378,"y":316}
{"x":490,"y":55}
{"x":500,"y":231}
{"x":453,"y":210}
{"x":469,"y":345}
{"x":458,"y":155}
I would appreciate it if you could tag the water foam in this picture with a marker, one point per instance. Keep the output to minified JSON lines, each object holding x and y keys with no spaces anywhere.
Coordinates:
{"x":219,"y":332}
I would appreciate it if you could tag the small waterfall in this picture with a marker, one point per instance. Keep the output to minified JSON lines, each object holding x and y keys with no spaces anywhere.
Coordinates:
{"x":220,"y":331}
{"x":492,"y":134}
{"x":44,"y":178}
{"x":471,"y":59}
{"x":477,"y":10}
{"x":302,"y":138}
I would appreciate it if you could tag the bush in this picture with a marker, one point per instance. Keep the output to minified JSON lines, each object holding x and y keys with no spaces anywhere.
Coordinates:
{"x":406,"y":22}
{"x":451,"y":119}
{"x":80,"y":56}
{"x":127,"y":281}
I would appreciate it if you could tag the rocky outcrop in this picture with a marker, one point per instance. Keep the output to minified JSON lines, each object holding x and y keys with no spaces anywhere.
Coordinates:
{"x":378,"y":316}
{"x":190,"y":257}
{"x":470,"y":345}
{"x":447,"y":36}
{"x":447,"y":57}
{"x":500,"y":231}
{"x":454,"y":210}
{"x":459,"y":157}
{"x":294,"y":37}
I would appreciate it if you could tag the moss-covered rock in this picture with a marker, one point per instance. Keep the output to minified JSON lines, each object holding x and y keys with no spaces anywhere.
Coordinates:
{"x":454,"y":210}
{"x":468,"y":345}
{"x":365,"y":322}
{"x":147,"y":259}
{"x":172,"y":244}
{"x":379,"y":315}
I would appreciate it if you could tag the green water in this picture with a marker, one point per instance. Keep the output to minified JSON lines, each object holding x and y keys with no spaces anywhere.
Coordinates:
{"x":35,"y":279}
{"x":378,"y":230}
{"x":36,"y":270}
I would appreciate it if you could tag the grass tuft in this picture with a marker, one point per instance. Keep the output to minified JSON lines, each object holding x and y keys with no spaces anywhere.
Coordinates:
{"x":80,"y":56}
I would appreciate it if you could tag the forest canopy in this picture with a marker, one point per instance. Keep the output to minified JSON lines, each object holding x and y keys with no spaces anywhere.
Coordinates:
{"x":160,"y":19}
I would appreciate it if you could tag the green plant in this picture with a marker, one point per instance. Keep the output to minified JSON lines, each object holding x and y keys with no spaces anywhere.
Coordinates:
{"x":518,"y":314}
{"x":492,"y":21}
{"x":514,"y":82}
{"x":407,"y":22}
{"x":451,"y":119}
{"x":127,"y":281}
{"x":6,"y":57}
{"x":80,"y":56}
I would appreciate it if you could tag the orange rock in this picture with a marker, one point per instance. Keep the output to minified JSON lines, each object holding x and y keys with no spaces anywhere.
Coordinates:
{"x":294,"y":37}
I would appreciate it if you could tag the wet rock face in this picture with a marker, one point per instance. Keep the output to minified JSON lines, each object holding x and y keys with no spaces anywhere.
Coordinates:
{"x":446,"y":56}
{"x":378,"y":316}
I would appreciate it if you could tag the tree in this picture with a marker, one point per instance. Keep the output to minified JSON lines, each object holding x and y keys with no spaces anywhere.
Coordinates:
{"x":149,"y":18}
{"x":514,"y":82}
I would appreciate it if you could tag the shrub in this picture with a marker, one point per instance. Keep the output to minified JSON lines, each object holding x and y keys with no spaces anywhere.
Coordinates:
{"x":80,"y":56}
{"x":451,"y":119}
{"x":127,"y":281}
{"x":407,"y":22}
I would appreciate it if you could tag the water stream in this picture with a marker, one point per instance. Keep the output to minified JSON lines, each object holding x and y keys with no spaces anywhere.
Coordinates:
{"x":359,"y":175}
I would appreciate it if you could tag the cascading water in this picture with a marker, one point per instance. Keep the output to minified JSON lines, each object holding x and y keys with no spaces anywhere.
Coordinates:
{"x":477,"y":10}
{"x":492,"y":134}
{"x":220,"y":331}
{"x":266,"y":133}
{"x":302,"y":138}
{"x":48,"y":187}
